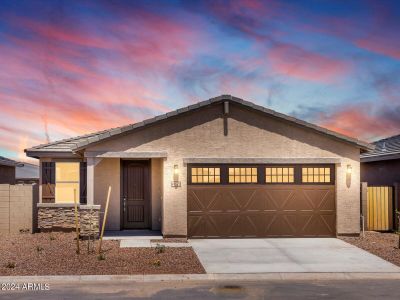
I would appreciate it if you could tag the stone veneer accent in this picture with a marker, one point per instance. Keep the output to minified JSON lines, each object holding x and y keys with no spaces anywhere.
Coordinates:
{"x":61,"y":217}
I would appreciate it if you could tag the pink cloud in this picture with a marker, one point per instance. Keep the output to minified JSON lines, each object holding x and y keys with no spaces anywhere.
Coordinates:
{"x":361,"y":121}
{"x":377,"y":44}
{"x":58,"y":74}
{"x":296,"y":62}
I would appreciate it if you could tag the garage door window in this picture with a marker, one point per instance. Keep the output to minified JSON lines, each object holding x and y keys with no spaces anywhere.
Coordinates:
{"x":206,"y":175}
{"x":279,"y":175}
{"x":316,"y":175}
{"x":242,"y":175}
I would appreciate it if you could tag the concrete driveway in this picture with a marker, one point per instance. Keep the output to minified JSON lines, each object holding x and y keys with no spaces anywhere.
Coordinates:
{"x":286,"y":255}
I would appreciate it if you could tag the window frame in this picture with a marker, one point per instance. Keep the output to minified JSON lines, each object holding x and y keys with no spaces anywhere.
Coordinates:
{"x":205,"y":167}
{"x":189,"y":173}
{"x":78,"y":195}
{"x":295,"y":175}
{"x":261,"y":173}
{"x":241,"y":166}
{"x":332,"y":174}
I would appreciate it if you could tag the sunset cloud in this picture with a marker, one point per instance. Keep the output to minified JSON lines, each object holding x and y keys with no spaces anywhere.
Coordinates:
{"x":74,"y":68}
{"x":306,"y":65}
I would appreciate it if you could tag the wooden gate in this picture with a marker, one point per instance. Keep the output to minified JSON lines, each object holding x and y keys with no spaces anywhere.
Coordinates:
{"x":380,"y":208}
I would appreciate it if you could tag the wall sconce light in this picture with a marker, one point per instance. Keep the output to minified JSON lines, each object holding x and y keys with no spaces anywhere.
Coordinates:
{"x":176,"y":170}
{"x":176,"y":183}
{"x":349,"y":169}
{"x":348,"y":175}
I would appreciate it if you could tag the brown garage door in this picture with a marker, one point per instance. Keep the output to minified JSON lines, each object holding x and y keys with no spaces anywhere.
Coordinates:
{"x":222,"y":210}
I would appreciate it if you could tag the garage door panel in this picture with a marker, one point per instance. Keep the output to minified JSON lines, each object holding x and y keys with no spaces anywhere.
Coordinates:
{"x":243,"y":227}
{"x":201,"y":199}
{"x":319,"y":197}
{"x":242,"y":197}
{"x":316,"y":225}
{"x":224,"y":202}
{"x":281,"y":225}
{"x":202,"y":227}
{"x":224,"y":222}
{"x":277,"y":198}
{"x":258,"y":201}
{"x":261,"y":211}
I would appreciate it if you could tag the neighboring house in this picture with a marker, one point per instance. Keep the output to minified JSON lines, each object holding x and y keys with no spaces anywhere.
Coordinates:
{"x":380,"y":170}
{"x":224,"y":167}
{"x":27,"y":173}
{"x":12,"y":172}
{"x":7,"y":170}
{"x":381,"y":166}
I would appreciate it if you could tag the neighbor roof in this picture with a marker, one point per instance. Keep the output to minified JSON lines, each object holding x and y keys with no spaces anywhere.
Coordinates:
{"x":387,"y":148}
{"x":74,"y":144}
{"x":8,"y":162}
{"x":27,"y":171}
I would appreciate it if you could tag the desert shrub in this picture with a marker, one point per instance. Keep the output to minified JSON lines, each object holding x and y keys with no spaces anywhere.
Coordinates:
{"x":10,"y":265}
{"x":160,"y":248}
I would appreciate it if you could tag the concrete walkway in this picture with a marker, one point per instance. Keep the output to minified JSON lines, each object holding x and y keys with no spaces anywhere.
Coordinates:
{"x":135,"y":243}
{"x":286,"y":255}
{"x":132,"y":235}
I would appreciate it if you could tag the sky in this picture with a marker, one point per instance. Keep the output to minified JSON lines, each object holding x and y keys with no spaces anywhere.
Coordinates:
{"x":73,"y":67}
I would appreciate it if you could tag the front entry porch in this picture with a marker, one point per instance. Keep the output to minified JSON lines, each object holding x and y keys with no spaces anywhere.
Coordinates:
{"x":136,"y":189}
{"x":135,"y":234}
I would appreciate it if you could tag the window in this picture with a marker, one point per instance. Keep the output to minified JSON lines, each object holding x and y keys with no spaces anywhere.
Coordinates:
{"x":316,"y":175}
{"x":206,"y":175}
{"x":67,"y":182}
{"x":242,"y":175}
{"x":279,"y":175}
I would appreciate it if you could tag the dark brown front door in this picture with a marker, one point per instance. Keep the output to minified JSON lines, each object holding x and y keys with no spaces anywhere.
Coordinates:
{"x":135,"y":194}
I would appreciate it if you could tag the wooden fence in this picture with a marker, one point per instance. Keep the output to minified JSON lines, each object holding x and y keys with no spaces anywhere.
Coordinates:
{"x":380,"y":208}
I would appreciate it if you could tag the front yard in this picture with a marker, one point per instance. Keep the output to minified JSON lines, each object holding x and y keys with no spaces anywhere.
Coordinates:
{"x":55,"y":254}
{"x":384,"y":245}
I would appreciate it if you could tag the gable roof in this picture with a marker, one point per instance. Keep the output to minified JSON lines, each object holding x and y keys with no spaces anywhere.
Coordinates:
{"x":385,"y":149}
{"x":4,"y":161}
{"x":71,"y":145}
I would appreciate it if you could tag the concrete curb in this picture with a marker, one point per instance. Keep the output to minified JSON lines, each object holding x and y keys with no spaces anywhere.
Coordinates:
{"x":202,"y":277}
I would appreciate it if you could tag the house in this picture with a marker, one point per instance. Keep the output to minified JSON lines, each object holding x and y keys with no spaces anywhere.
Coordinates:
{"x":7,"y":170}
{"x":380,"y":173}
{"x":223,"y":168}
{"x":26,"y":173}
{"x":12,"y":172}
{"x":381,"y":166}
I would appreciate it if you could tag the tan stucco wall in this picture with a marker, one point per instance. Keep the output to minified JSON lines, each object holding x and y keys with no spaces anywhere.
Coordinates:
{"x":200,"y":134}
{"x":16,"y":205}
{"x":156,"y":192}
{"x":107,"y":173}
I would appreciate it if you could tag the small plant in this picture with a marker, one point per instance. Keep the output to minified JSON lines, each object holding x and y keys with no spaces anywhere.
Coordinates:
{"x":10,"y":265}
{"x":160,"y":248}
{"x":101,"y":256}
{"x":52,"y":237}
{"x":157,"y":263}
{"x":39,"y":249}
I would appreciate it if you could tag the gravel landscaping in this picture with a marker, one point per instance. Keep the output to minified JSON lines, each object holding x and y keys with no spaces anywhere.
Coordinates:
{"x":384,"y":245}
{"x":55,"y":254}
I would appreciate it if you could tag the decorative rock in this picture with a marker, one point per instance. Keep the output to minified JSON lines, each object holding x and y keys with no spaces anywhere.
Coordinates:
{"x":63,"y":219}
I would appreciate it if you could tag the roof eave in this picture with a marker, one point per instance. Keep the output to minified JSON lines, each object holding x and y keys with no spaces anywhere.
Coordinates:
{"x":34,"y":153}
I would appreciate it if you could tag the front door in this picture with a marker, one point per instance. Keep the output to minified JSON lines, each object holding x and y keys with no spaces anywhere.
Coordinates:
{"x":135,"y":194}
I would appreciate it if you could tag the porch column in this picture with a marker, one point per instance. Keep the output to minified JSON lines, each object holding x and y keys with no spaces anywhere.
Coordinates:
{"x":90,"y":180}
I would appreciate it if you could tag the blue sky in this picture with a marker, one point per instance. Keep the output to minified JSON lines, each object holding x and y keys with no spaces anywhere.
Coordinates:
{"x":73,"y":67}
